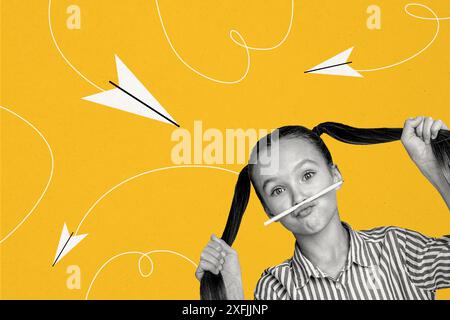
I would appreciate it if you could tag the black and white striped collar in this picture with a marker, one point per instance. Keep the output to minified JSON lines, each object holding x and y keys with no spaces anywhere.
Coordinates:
{"x":359,"y":254}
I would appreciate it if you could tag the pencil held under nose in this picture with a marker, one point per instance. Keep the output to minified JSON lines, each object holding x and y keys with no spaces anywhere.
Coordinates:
{"x":310,"y":199}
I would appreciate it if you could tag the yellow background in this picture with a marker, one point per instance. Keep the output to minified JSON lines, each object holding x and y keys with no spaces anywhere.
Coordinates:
{"x":96,"y":147}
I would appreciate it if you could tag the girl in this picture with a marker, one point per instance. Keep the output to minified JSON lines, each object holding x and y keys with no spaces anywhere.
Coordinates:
{"x":331,"y":260}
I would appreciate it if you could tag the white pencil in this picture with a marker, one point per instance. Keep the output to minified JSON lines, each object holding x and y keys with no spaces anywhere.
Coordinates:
{"x":312,"y":198}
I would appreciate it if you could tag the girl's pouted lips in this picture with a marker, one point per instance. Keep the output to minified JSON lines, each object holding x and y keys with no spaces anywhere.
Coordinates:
{"x":304,"y":210}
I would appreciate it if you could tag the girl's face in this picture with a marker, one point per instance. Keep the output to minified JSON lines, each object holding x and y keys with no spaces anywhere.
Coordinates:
{"x":302,"y":172}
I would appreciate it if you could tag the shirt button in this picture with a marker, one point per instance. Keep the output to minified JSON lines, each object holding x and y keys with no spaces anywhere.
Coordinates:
{"x":338,"y":285}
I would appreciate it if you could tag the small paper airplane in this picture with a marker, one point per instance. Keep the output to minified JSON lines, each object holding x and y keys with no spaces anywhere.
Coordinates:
{"x":131,"y":96}
{"x":337,"y":66}
{"x":66,"y":243}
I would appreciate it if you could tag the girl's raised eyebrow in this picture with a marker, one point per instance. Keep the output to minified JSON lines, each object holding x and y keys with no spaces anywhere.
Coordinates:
{"x":302,"y":162}
{"x":298,"y":165}
{"x":267,"y":182}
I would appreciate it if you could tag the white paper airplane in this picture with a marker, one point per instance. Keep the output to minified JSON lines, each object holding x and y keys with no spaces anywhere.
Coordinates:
{"x":66,"y":243}
{"x":131,"y":96}
{"x":337,"y":66}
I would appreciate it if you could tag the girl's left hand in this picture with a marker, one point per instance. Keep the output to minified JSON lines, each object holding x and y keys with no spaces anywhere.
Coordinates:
{"x":416,"y":137}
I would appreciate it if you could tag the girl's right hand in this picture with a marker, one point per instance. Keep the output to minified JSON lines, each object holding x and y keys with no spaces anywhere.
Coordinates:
{"x":218,"y":256}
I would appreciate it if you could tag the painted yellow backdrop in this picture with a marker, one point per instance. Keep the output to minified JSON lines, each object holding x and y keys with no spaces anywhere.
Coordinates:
{"x":96,"y":147}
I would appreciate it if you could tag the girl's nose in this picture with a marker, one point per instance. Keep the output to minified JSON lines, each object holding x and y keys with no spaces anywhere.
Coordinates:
{"x":298,"y":195}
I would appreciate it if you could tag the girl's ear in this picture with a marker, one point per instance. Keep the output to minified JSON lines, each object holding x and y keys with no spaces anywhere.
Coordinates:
{"x":267,"y":210}
{"x":337,"y":176}
{"x":261,"y":200}
{"x":263,"y":204}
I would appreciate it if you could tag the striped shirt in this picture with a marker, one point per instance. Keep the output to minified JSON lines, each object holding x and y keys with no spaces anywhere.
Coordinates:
{"x":382,"y":263}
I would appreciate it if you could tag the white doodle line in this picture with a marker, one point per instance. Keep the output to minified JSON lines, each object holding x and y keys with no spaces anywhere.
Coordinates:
{"x":49,"y":178}
{"x":406,"y":8}
{"x":242,"y":44}
{"x":142,"y":174}
{"x":142,"y":255}
{"x":60,"y":51}
{"x":146,"y":255}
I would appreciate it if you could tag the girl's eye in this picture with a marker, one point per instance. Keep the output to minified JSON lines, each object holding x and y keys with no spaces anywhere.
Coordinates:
{"x":308,"y":175}
{"x":277,"y":191}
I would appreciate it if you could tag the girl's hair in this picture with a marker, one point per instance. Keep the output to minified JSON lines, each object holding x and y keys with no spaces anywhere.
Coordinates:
{"x":212,"y":286}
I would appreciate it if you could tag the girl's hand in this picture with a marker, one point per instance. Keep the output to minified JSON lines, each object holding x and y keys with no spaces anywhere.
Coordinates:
{"x":416,"y":137}
{"x":217,"y":257}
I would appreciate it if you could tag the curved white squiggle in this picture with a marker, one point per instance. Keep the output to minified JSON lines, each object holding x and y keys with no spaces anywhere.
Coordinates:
{"x":243,"y":45}
{"x":422,"y":17}
{"x":435,"y":18}
{"x":60,"y":51}
{"x":140,"y":175}
{"x":240,"y":43}
{"x":48,"y":181}
{"x":232,"y":34}
{"x":142,"y":255}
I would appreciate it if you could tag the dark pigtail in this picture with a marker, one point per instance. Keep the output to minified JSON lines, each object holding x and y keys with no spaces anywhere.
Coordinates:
{"x":353,"y":135}
{"x":212,"y":286}
{"x":440,"y":145}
